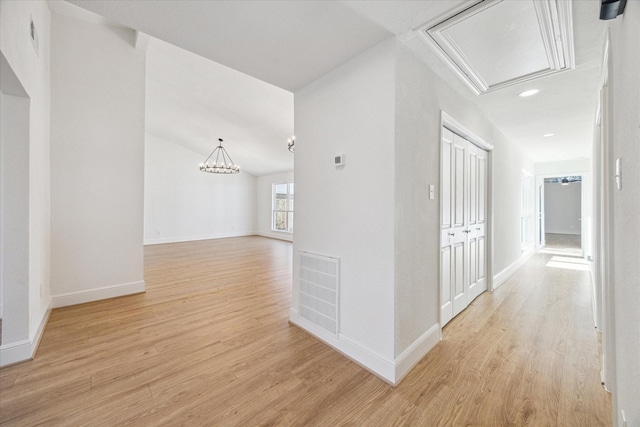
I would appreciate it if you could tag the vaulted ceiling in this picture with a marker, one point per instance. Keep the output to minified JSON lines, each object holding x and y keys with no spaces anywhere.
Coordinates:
{"x":279,"y":47}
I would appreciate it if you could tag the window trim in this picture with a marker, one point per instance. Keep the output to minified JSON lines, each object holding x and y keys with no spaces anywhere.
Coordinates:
{"x":288,"y":211}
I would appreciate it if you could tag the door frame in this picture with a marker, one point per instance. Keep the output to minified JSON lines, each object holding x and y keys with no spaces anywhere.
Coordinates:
{"x":585,"y":187}
{"x":447,"y":121}
{"x":540,"y":207}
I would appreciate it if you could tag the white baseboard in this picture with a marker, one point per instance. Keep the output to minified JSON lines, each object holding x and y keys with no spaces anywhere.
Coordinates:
{"x":15,"y":352}
{"x":502,"y":276}
{"x":24,"y":350}
{"x":80,"y":297}
{"x":284,"y":236}
{"x":37,"y":336}
{"x":567,"y":232}
{"x":390,"y":371}
{"x":367,"y":358}
{"x":164,"y":240}
{"x":416,"y":351}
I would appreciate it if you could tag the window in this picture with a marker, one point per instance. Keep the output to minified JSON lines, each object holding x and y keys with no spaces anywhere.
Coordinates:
{"x":283,"y":207}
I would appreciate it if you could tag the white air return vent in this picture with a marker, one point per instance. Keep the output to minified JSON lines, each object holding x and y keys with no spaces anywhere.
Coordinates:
{"x":319,"y":290}
{"x":497,"y":43}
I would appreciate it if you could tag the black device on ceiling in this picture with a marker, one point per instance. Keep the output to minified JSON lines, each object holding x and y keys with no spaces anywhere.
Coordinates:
{"x":610,"y":9}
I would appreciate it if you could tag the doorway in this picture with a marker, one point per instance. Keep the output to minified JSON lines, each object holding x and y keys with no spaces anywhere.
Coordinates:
{"x":560,"y":217}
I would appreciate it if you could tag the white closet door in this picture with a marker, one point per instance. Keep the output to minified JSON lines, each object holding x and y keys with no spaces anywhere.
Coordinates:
{"x":463,"y":224}
{"x":476,"y":226}
{"x":460,"y":243}
{"x":446,"y":227}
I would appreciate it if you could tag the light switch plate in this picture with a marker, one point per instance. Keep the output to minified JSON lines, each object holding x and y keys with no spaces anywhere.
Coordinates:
{"x":618,"y":173}
{"x":432,"y":192}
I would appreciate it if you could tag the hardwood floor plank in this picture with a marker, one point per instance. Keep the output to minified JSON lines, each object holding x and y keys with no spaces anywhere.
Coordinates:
{"x":209,"y":343}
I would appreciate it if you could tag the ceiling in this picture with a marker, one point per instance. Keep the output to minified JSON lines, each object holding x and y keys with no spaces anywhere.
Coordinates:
{"x":497,"y":44}
{"x":193,"y":101}
{"x":289,"y":44}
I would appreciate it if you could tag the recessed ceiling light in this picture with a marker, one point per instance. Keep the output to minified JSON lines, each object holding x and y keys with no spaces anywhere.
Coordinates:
{"x":547,"y":135}
{"x":528,"y":92}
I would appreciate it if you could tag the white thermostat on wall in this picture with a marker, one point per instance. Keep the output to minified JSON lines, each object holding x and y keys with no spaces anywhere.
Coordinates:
{"x":338,"y":160}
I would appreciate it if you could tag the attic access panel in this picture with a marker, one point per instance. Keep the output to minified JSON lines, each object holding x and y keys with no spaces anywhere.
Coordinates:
{"x":497,"y":43}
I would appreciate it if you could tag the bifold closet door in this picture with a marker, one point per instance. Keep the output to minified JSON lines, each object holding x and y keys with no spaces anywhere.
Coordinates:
{"x":476,"y":224}
{"x":463,"y":224}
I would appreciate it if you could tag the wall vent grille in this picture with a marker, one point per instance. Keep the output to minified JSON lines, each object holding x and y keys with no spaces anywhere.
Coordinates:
{"x":319,"y":287}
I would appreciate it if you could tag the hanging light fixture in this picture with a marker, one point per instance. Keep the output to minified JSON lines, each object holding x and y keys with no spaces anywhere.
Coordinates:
{"x":291,"y":142}
{"x":564,"y":181}
{"x":222,"y":162}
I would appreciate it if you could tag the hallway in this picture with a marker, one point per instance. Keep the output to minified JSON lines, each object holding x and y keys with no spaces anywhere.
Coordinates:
{"x":209,"y":343}
{"x":525,"y":354}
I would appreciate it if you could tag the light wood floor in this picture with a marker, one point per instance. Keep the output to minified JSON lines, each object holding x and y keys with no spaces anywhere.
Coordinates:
{"x":563,"y":244}
{"x":209,"y":344}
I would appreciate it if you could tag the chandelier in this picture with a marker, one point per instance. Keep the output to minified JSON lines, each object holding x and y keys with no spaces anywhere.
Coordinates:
{"x":222,"y":162}
{"x":291,"y":143}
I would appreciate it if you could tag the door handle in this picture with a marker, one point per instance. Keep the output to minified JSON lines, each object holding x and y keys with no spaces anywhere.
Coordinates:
{"x":451,"y":234}
{"x":466,"y":231}
{"x":477,"y":228}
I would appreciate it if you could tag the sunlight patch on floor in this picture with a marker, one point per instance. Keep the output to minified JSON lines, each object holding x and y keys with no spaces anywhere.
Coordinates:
{"x":569,"y":263}
{"x":559,"y":251}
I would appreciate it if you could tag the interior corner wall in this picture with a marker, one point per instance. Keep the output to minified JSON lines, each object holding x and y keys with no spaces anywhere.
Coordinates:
{"x":625,"y":136}
{"x":181,"y":203}
{"x":563,"y":208}
{"x":97,"y":161}
{"x":347,"y":211}
{"x":32,"y":70}
{"x":264,"y":206}
{"x":421,"y":96}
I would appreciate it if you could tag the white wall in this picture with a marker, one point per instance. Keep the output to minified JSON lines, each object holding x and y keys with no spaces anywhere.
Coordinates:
{"x":348,"y":212}
{"x":181,"y":203}
{"x":32,"y":69}
{"x":421,"y":96}
{"x":563,"y":167}
{"x":14,"y":216}
{"x":508,"y":161}
{"x":265,"y":205}
{"x":563,"y":208}
{"x":625,"y":132}
{"x":97,"y":161}
{"x":383,"y":111}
